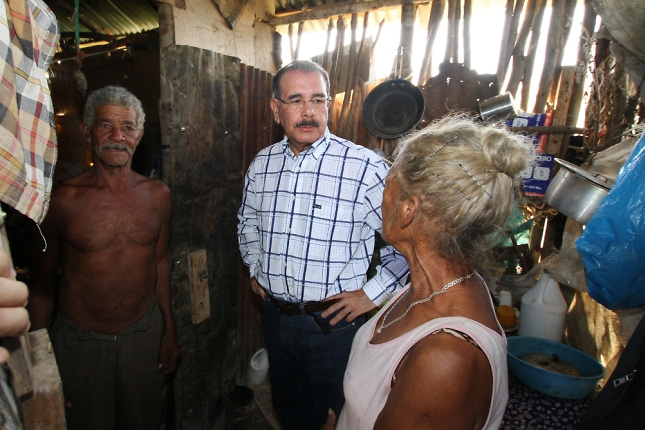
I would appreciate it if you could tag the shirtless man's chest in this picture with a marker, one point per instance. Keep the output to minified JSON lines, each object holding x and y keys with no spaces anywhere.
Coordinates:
{"x":107,"y":245}
{"x":99,"y":219}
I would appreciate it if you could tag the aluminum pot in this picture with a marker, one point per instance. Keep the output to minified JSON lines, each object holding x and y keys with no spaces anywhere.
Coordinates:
{"x":576,"y":192}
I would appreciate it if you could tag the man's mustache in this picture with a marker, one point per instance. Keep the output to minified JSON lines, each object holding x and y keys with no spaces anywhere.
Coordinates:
{"x":308,"y":123}
{"x":116,"y":145}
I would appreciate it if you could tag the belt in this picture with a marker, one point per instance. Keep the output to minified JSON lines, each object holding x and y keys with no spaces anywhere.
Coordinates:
{"x":291,"y":309}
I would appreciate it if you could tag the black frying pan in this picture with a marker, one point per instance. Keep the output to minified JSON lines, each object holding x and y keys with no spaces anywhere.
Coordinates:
{"x":393,"y":108}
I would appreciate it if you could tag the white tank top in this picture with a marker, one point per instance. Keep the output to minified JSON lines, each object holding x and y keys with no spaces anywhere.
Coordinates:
{"x":368,"y":377}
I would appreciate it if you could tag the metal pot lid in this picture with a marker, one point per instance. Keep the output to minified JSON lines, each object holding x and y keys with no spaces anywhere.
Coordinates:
{"x":393,"y":108}
{"x":595,"y":178}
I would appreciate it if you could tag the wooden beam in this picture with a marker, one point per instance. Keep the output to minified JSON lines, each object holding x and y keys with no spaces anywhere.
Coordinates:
{"x":558,"y":143}
{"x":548,"y":130}
{"x":335,"y":9}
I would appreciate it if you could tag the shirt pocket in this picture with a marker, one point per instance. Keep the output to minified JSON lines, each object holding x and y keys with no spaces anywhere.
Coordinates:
{"x":332,"y":227}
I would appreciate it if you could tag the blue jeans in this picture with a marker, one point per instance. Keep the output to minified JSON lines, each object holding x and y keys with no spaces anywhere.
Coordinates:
{"x":307,"y":361}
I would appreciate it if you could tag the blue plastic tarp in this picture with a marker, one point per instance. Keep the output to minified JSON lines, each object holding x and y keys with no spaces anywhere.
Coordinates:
{"x":613,"y":243}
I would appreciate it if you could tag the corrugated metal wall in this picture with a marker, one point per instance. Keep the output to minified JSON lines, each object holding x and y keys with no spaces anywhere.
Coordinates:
{"x":258,"y":130}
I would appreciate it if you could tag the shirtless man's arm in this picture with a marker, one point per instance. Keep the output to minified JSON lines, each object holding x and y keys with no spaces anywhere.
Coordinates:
{"x":169,"y":353}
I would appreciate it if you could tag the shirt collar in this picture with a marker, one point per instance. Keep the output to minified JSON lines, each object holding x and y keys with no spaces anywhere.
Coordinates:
{"x":315,"y":150}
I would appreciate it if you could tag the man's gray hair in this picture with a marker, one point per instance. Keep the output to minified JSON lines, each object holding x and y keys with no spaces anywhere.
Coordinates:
{"x":306,"y":66}
{"x":113,"y":95}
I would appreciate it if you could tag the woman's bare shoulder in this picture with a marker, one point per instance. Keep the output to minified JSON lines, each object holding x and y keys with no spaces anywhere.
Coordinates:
{"x":442,"y":379}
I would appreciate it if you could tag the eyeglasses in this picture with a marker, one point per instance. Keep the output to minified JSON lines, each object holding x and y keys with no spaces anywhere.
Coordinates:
{"x":297,"y":103}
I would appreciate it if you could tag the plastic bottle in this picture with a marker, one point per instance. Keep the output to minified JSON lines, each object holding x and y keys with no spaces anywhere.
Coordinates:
{"x":543,"y":310}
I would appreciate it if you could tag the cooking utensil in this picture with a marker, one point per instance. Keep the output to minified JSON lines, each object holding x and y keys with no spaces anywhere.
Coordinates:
{"x":576,"y":192}
{"x":393,"y":108}
{"x":497,"y":108}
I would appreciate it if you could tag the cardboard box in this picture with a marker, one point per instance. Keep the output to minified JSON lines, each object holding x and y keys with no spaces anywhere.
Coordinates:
{"x":536,"y":179}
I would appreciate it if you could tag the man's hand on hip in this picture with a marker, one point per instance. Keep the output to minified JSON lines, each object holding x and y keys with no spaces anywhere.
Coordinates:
{"x":257,"y":289}
{"x":350,"y":305}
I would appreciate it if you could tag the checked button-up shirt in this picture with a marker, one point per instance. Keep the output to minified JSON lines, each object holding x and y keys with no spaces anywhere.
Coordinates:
{"x":307,"y":223}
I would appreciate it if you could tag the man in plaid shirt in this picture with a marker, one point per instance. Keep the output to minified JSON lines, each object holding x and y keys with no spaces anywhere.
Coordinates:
{"x":310,"y":210}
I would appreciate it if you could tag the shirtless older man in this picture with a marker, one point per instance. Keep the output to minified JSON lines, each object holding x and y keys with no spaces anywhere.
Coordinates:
{"x":110,"y":318}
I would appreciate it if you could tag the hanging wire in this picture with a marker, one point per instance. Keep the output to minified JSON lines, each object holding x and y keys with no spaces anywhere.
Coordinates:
{"x":76,"y":25}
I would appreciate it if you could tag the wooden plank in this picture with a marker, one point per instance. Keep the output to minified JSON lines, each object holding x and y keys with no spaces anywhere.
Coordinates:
{"x":548,"y":130}
{"x":561,"y":113}
{"x":198,"y":275}
{"x":45,"y":410}
{"x":337,"y":9}
{"x":20,"y":371}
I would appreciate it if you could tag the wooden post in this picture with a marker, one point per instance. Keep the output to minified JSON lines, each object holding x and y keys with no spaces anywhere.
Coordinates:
{"x":530,"y":57}
{"x":407,"y":34}
{"x":558,"y":143}
{"x":349,"y":79}
{"x":505,"y":50}
{"x":326,"y":63}
{"x":351,"y":122}
{"x":452,"y":44}
{"x":468,"y":10}
{"x":434,"y":20}
{"x":554,"y":45}
{"x":567,"y":20}
{"x":588,"y":24}
{"x":517,"y":54}
{"x":509,"y":38}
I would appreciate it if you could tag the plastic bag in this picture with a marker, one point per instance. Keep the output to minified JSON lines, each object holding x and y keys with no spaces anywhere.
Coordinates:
{"x":613,"y":243}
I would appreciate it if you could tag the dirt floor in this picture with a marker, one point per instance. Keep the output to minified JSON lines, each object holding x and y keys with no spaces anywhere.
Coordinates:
{"x":250,"y":410}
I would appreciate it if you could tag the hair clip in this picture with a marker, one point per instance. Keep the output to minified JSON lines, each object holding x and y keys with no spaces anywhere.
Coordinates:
{"x":473,"y":178}
{"x":444,"y":145}
{"x":452,"y":188}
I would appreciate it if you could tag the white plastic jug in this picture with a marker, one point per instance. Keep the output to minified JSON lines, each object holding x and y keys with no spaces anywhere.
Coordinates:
{"x":543,"y":310}
{"x":258,"y":367}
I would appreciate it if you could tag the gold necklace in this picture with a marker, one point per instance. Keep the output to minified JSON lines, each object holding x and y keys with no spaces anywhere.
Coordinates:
{"x":418,"y":302}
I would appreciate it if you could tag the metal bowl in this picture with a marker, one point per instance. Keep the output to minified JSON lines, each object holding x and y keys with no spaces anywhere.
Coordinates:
{"x":576,"y":192}
{"x":550,"y":382}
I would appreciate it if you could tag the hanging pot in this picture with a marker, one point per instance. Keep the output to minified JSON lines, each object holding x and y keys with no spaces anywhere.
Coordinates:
{"x":393,"y":108}
{"x":576,"y":192}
